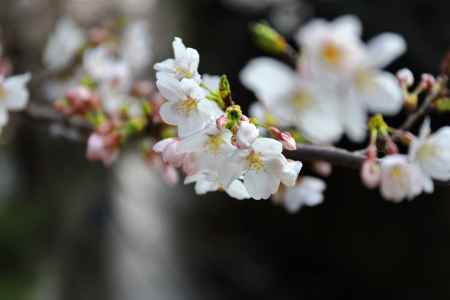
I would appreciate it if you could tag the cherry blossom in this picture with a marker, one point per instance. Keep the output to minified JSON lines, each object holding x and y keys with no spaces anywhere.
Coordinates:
{"x":309,"y":192}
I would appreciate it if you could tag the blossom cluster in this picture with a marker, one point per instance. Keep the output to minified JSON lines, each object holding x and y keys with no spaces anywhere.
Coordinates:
{"x":337,"y":81}
{"x":217,"y":146}
{"x":95,"y":78}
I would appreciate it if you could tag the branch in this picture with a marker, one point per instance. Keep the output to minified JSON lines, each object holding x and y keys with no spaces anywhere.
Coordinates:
{"x":334,"y":155}
{"x":423,"y":109}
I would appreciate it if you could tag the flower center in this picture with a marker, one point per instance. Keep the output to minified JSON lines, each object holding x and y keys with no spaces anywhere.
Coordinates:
{"x":427,"y":151}
{"x":396,"y":172}
{"x":214,"y":143}
{"x":301,"y":100}
{"x":183,"y":72}
{"x":363,"y":80}
{"x":254,"y":161}
{"x":2,"y":92}
{"x":186,"y":106}
{"x":331,"y":53}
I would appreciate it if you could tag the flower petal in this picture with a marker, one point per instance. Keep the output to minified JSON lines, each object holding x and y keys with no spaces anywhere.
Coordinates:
{"x":260,"y":185}
{"x":384,"y":95}
{"x":17,"y":94}
{"x":385,"y":48}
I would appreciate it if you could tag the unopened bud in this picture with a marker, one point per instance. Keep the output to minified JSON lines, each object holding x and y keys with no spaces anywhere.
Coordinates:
{"x":323,"y":168}
{"x":221,"y":121}
{"x":372,"y":152}
{"x":428,"y":81}
{"x":391,"y":147}
{"x":406,"y":77}
{"x":370,"y":174}
{"x":285,"y":138}
{"x":268,"y":39}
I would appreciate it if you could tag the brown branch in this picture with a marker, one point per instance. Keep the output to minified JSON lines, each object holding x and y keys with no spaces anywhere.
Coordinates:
{"x":335,"y":156}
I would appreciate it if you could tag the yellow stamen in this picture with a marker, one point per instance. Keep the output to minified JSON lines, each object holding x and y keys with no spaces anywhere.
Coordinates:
{"x":183,"y":72}
{"x":396,"y":172}
{"x":214,"y":143}
{"x":186,"y":106}
{"x":427,"y":151}
{"x":301,"y":100}
{"x":332,"y":54}
{"x":254,"y":161}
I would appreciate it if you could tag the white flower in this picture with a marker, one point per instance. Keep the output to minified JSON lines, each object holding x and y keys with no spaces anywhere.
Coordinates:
{"x":14,"y":95}
{"x":246,"y":134}
{"x":102,"y":66}
{"x":305,"y":104}
{"x":186,"y":105}
{"x":213,"y":146}
{"x":184,"y":65}
{"x":432,"y":152}
{"x":263,"y":167}
{"x":136,"y":46}
{"x":309,"y":192}
{"x":332,"y":48}
{"x":369,"y":88}
{"x":402,"y":179}
{"x":209,"y":182}
{"x":63,"y":45}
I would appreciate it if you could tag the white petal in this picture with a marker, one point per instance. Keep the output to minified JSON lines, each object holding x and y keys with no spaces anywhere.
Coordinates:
{"x":267,"y":146}
{"x":168,"y":113}
{"x":3,"y":116}
{"x":348,"y":25}
{"x":384,"y":94}
{"x":179,"y":49}
{"x":313,"y":183}
{"x":290,"y":173}
{"x":167,"y":65}
{"x":268,"y":79}
{"x":237,"y":190}
{"x":385,"y":48}
{"x":193,"y":143}
{"x":425,"y":129}
{"x":170,"y":88}
{"x":355,"y":119}
{"x":161,"y":145}
{"x":321,"y":125}
{"x":17,"y":94}
{"x":260,"y":185}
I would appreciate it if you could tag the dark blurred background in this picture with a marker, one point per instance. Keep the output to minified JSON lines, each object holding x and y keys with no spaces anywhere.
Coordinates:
{"x":71,"y":229}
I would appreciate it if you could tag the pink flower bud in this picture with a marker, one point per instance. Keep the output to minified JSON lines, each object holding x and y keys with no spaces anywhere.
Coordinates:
{"x":170,"y":175}
{"x":428,"y":81}
{"x":391,"y":147}
{"x":323,"y":168}
{"x":221,"y":121}
{"x":370,"y":174}
{"x":285,"y":138}
{"x":372,"y":152}
{"x":82,"y":100}
{"x":406,"y":77}
{"x":97,"y":149}
{"x":246,"y":134}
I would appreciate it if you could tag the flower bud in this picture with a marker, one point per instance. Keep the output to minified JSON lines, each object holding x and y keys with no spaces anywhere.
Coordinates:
{"x":323,"y":168}
{"x":221,"y":121}
{"x":428,"y":81}
{"x":170,"y":175}
{"x":284,"y":137}
{"x":406,"y":77}
{"x":268,"y":39}
{"x":370,"y":173}
{"x":246,"y":134}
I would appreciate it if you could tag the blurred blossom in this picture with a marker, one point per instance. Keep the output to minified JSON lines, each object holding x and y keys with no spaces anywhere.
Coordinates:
{"x":401,"y":179}
{"x":337,"y":82}
{"x":63,"y":45}
{"x":309,"y":192}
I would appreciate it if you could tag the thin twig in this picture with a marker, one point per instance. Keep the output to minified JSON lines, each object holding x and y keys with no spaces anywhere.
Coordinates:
{"x":423,"y":109}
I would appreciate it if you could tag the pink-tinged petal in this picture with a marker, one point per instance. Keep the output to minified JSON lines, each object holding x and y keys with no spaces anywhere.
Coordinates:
{"x":161,"y":145}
